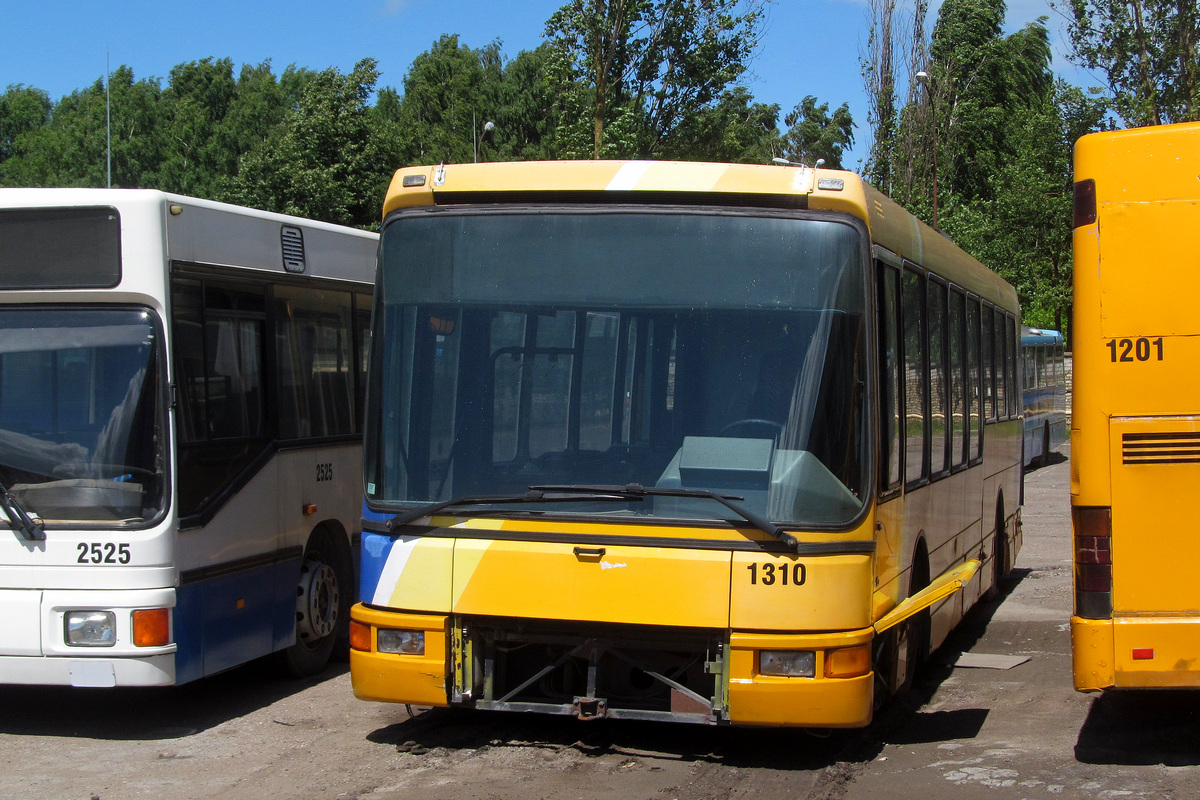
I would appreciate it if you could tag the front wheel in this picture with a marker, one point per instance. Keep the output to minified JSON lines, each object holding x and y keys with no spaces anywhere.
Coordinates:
{"x":322,"y":606}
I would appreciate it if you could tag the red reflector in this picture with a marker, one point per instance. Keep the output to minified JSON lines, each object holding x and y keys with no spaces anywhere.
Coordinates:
{"x":1085,"y":203}
{"x":1093,"y":549}
{"x":1143,"y":653}
{"x":1093,"y":577}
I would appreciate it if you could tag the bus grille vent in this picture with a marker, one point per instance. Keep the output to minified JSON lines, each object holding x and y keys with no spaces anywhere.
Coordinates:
{"x":292,"y":239}
{"x":1160,"y":448}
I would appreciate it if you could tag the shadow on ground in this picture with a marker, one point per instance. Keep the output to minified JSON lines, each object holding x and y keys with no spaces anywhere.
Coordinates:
{"x":1137,"y":728}
{"x":134,"y":714}
{"x":900,"y":721}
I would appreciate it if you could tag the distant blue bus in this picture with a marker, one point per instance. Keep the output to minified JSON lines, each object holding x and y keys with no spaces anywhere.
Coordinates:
{"x":1044,"y":390}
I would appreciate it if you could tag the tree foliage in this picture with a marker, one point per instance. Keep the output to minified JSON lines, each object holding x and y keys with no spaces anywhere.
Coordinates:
{"x":814,"y":134}
{"x":1148,"y":49}
{"x":644,"y":68}
{"x":986,"y":139}
{"x":618,"y":78}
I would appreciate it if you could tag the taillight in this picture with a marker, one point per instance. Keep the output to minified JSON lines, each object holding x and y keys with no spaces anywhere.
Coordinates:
{"x":1093,"y":561}
{"x":1085,"y":202}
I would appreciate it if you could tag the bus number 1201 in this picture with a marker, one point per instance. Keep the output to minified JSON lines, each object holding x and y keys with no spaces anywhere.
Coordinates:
{"x":1135,"y":349}
{"x":767,"y":574}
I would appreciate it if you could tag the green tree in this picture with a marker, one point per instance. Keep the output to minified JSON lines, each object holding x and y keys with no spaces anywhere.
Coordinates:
{"x":813,"y":133}
{"x":22,"y":109}
{"x":321,"y":162}
{"x":198,"y":98}
{"x":450,"y":92}
{"x":644,"y":67}
{"x":1150,"y":52}
{"x":71,"y":148}
{"x":735,"y":129}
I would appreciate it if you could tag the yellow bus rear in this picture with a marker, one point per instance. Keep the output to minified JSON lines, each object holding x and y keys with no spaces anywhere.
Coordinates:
{"x":1135,"y":439}
{"x":676,"y":442}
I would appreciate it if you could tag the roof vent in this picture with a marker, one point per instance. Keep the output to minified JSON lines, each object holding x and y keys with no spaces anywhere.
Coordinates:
{"x":292,"y":240}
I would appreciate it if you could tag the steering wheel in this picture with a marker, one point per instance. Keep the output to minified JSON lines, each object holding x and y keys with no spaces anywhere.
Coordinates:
{"x":750,"y":422}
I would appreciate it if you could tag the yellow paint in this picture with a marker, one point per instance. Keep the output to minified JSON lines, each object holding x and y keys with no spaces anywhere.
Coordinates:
{"x":835,"y":594}
{"x":637,"y":585}
{"x":1092,"y":654}
{"x":756,"y":699}
{"x":426,"y":582}
{"x":1135,"y":278}
{"x":394,"y":678}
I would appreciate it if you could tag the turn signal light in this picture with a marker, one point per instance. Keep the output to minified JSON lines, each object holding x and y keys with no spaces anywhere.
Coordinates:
{"x":848,"y":662}
{"x":360,"y":636}
{"x":152,"y":627}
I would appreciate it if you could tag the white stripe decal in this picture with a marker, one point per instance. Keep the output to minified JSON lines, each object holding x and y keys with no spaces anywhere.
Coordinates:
{"x":628,"y":176}
{"x":392,"y":568}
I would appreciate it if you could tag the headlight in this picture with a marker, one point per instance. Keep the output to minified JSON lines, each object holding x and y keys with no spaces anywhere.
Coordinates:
{"x":411,"y":643}
{"x":788,"y":663}
{"x":90,"y":628}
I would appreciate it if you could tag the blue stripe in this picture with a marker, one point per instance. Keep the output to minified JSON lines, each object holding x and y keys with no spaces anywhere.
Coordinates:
{"x":375,"y":550}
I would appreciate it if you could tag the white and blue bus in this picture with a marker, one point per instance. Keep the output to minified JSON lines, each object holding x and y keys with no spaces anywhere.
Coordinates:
{"x":1045,"y":393}
{"x":180,"y":435}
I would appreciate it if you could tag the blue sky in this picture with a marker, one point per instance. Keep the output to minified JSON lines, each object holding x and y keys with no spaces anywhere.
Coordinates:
{"x":810,"y":46}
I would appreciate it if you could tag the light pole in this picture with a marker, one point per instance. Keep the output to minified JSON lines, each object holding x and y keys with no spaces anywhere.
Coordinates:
{"x":923,"y":79}
{"x":488,"y":127}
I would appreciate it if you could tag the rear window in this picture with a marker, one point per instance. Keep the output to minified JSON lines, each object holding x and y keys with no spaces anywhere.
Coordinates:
{"x":60,"y":248}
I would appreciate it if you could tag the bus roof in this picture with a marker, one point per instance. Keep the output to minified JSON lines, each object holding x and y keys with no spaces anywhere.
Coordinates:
{"x":1043,"y":336}
{"x":692,"y":183}
{"x":213,"y":233}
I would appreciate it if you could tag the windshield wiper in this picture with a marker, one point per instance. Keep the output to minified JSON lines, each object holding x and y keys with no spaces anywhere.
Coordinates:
{"x":635,"y":491}
{"x":536,"y":494}
{"x":32,"y":529}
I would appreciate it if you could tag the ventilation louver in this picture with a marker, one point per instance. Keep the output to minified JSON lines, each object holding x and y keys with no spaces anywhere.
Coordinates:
{"x":292,"y":240}
{"x":1160,"y":448}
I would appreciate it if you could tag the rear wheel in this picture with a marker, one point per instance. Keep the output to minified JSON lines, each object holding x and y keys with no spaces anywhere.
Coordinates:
{"x":322,"y":605}
{"x":912,"y":638}
{"x":999,"y":554}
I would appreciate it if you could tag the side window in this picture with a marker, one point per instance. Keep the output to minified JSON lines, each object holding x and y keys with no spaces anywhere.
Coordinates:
{"x":958,"y":378}
{"x":1014,"y":393}
{"x":974,"y":379}
{"x":362,"y":343}
{"x":234,"y":319}
{"x":939,"y":383}
{"x":187,"y":313}
{"x":220,"y":379}
{"x":916,"y":378}
{"x":889,"y":378}
{"x":314,"y":350}
{"x":1001,"y":365}
{"x":989,"y":363}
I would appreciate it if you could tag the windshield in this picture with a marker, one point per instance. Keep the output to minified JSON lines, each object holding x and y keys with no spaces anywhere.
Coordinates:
{"x":681,"y":350}
{"x":80,"y":413}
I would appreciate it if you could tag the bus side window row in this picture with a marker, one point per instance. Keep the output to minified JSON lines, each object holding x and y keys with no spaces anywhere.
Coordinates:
{"x":236,"y":395}
{"x":947,"y":362}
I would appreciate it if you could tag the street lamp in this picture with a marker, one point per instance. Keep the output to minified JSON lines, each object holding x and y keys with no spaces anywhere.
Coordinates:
{"x":923,"y":79}
{"x":488,"y":127}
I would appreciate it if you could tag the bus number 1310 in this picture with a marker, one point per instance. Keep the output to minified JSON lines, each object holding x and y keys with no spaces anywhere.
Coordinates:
{"x":769,"y":573}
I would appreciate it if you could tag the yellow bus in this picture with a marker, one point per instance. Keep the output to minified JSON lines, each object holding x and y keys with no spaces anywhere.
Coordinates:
{"x":1135,"y":438}
{"x":675,"y":441}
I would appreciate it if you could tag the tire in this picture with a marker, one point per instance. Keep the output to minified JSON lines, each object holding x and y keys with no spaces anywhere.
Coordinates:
{"x":912,"y":639}
{"x":999,"y":555}
{"x":323,"y":597}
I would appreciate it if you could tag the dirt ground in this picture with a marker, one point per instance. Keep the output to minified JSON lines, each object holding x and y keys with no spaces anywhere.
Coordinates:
{"x":961,"y":732}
